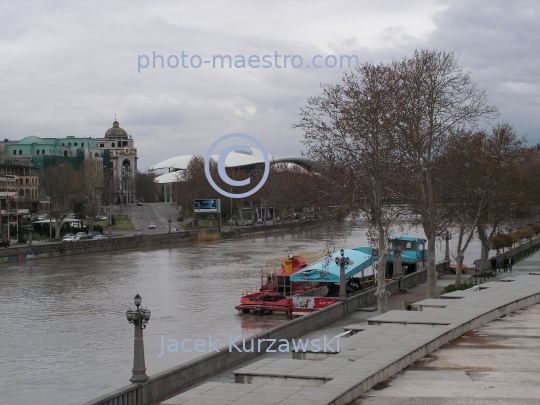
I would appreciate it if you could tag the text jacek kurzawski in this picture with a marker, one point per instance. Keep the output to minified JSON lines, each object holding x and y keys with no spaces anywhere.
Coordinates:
{"x":239,"y":344}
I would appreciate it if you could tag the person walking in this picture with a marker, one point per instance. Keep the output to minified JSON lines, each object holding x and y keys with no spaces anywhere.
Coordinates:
{"x":510,"y":263}
{"x":505,"y":263}
{"x":494,"y":264}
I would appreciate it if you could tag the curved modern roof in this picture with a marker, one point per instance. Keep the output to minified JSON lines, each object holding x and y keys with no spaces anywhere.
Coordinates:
{"x":237,"y":159}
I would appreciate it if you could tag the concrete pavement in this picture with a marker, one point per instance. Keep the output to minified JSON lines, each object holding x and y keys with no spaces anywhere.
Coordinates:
{"x":377,"y":348}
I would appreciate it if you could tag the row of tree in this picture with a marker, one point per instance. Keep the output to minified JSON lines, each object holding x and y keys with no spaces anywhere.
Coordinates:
{"x":403,"y":138}
{"x":411,"y":140}
{"x":74,"y":191}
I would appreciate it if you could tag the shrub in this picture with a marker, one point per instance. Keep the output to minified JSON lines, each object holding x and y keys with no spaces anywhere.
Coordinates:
{"x":98,"y":228}
{"x":536,"y":229}
{"x":207,"y":237}
{"x":451,"y":287}
{"x":501,"y":240}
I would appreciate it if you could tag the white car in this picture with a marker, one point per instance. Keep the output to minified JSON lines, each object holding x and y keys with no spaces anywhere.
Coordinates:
{"x":175,"y":230}
{"x":70,"y":238}
{"x":152,"y":226}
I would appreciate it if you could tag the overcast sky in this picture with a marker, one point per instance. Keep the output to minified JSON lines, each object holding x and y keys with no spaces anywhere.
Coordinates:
{"x":67,"y":67}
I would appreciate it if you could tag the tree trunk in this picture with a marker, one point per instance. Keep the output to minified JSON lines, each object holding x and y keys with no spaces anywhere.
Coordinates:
{"x":432,"y":267}
{"x":382,"y":294}
{"x":459,"y":270}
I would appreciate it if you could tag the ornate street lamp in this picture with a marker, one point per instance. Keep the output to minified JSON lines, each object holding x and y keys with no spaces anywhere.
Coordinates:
{"x":139,"y":318}
{"x":447,"y":237}
{"x":342,"y":262}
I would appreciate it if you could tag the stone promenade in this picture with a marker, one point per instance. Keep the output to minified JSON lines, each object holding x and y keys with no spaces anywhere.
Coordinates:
{"x":373,"y":351}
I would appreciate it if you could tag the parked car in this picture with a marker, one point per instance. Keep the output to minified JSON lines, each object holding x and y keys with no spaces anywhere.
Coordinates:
{"x":4,"y":242}
{"x":42,"y":217}
{"x":249,"y":223}
{"x":92,"y":235}
{"x":179,"y":219}
{"x":141,"y":234}
{"x":70,"y":238}
{"x":175,"y":230}
{"x":67,"y":235}
{"x":152,"y":226}
{"x":140,"y":204}
{"x":259,"y":221}
{"x":82,"y":235}
{"x":100,"y":237}
{"x":101,"y":218}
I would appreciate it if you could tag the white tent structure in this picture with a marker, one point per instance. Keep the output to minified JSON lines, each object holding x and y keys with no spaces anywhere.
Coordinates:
{"x":234,"y":159}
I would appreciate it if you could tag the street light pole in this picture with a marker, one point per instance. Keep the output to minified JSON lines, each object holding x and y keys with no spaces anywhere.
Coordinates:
{"x":447,"y":237}
{"x":342,"y":262}
{"x":169,"y":221}
{"x":139,"y":318}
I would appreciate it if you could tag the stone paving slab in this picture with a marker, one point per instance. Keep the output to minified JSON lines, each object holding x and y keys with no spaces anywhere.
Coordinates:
{"x":494,"y":365}
{"x":377,"y":351}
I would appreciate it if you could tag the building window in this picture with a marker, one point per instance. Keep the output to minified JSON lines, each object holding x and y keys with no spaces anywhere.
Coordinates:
{"x":27,"y":193}
{"x":75,"y":144}
{"x":21,"y":193}
{"x":96,"y":154}
{"x":82,"y":145}
{"x":38,"y":151}
{"x":101,"y":145}
{"x":20,"y":152}
{"x":27,"y":181}
{"x":43,"y":152}
{"x":112,"y":144}
{"x":14,"y":152}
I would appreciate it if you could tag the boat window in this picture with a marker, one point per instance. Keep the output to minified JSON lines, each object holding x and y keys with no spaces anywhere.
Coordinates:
{"x":405,"y":245}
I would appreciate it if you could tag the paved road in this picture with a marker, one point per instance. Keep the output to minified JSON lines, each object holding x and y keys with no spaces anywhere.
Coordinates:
{"x":156,"y":213}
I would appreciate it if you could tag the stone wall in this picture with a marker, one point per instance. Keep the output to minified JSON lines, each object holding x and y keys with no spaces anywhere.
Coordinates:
{"x":39,"y":251}
{"x":171,"y":382}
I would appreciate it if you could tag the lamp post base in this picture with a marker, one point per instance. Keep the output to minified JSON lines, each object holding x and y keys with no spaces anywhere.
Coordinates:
{"x":139,"y":376}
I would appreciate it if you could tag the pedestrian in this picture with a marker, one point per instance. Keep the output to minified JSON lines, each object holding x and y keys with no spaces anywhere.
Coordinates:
{"x":510,"y":263}
{"x":477,"y":265}
{"x":505,"y":263}
{"x":494,"y":264}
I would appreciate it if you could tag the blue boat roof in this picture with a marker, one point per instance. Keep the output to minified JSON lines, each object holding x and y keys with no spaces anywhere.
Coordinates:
{"x":409,"y":238}
{"x":327,"y":271}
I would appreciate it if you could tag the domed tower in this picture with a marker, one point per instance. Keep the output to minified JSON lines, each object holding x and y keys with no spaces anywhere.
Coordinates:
{"x":123,"y":162}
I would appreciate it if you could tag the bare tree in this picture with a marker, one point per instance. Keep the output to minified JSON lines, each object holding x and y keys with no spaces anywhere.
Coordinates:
{"x":464,"y":192}
{"x":59,"y":183}
{"x":434,"y":99}
{"x":91,"y":178}
{"x":347,"y":131}
{"x":504,"y":184}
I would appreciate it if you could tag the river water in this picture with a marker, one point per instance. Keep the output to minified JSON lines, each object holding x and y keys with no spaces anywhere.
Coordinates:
{"x":64,"y":338}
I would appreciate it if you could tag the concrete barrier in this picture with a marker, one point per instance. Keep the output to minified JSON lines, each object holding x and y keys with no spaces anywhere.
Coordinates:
{"x":95,"y":246}
{"x":171,"y":382}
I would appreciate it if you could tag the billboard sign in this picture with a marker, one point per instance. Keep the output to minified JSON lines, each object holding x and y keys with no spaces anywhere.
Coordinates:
{"x":208,"y":206}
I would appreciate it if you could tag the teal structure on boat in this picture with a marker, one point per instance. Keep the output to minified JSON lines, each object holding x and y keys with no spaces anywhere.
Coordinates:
{"x":327,"y":271}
